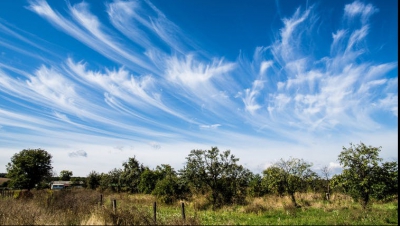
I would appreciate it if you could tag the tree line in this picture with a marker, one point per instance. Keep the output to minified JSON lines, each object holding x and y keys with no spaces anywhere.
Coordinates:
{"x":219,"y":176}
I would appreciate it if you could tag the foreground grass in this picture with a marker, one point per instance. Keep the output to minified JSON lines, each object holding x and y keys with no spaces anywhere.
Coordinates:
{"x":81,"y":207}
{"x":311,"y":216}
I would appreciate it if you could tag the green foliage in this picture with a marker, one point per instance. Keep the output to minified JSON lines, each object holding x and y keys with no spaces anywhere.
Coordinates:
{"x":165,"y":190}
{"x":388,"y":181}
{"x":256,"y":186}
{"x":148,"y":181}
{"x":361,"y":172}
{"x":28,"y":168}
{"x":112,"y":180}
{"x":169,"y":187}
{"x":289,"y":176}
{"x":131,"y":174}
{"x":219,"y":173}
{"x":273,"y":180}
{"x":65,"y":175}
{"x":93,"y":180}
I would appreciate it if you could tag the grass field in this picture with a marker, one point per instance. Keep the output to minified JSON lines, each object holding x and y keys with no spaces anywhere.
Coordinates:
{"x":2,"y":180}
{"x":81,"y":207}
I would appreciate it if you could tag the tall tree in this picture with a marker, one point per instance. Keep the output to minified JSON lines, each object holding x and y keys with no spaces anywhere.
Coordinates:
{"x":28,"y":168}
{"x":93,"y":180}
{"x":131,"y":173}
{"x":217,"y":172}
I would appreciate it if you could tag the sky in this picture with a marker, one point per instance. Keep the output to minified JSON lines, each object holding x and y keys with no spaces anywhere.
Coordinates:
{"x":97,"y":82}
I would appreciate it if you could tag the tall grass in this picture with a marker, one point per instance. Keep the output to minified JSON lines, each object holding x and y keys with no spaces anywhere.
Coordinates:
{"x":82,"y":207}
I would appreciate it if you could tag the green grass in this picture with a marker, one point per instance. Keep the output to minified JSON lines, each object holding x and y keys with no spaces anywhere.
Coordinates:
{"x":309,"y":216}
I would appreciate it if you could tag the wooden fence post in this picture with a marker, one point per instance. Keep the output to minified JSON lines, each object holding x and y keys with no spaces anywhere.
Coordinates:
{"x":155,"y":212}
{"x":101,"y":199}
{"x":114,"y":203}
{"x":183,"y":211}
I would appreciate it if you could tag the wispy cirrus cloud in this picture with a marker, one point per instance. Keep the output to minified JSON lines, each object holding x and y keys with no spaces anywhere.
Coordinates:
{"x":156,"y":86}
{"x":359,"y":9}
{"x":325,"y":96}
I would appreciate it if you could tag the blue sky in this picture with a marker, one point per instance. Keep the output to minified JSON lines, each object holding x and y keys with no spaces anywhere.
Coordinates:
{"x":97,"y":82}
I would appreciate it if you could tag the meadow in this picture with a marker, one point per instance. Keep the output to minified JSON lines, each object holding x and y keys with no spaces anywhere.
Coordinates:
{"x":83,"y":207}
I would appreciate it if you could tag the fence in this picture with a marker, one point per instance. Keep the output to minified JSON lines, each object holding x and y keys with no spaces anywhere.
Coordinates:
{"x":6,"y":193}
{"x":114,"y":208}
{"x":10,"y":193}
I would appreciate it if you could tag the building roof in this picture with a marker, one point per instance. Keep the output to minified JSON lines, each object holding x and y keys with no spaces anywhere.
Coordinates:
{"x":66,"y":182}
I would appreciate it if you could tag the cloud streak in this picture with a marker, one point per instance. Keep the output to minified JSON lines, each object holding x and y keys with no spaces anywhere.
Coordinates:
{"x":140,"y":79}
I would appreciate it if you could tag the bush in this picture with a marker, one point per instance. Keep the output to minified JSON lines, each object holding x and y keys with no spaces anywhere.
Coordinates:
{"x":167,"y":190}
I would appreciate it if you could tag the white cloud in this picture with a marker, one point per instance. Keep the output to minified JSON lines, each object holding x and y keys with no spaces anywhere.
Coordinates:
{"x":159,"y":89}
{"x":390,"y":103}
{"x":79,"y":153}
{"x":250,"y":96}
{"x":359,"y":9}
{"x":213,"y":126}
{"x":189,"y":72}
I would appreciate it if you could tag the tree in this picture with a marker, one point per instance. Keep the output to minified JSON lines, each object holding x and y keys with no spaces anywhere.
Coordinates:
{"x":93,"y":180}
{"x":360,"y":171}
{"x":148,"y":181}
{"x":169,"y":187}
{"x":289,"y":176}
{"x":28,"y":168}
{"x":256,"y":187}
{"x":273,"y":181}
{"x":149,"y":178}
{"x":388,"y":181}
{"x":326,"y":173}
{"x":65,"y":175}
{"x":112,"y":180}
{"x":131,"y":174}
{"x":208,"y":170}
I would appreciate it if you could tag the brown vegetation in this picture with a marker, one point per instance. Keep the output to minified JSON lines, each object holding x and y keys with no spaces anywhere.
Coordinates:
{"x":82,"y":207}
{"x":2,"y":180}
{"x":78,"y":207}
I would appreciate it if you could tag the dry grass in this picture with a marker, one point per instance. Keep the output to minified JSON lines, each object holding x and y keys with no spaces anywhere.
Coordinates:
{"x":200,"y":202}
{"x":305,"y":200}
{"x":257,"y":205}
{"x":80,"y":207}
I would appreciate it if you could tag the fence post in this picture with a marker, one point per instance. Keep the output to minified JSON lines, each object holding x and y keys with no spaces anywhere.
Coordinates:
{"x":183,"y":211}
{"x":155,"y":212}
{"x":327,"y":196}
{"x":101,"y":199}
{"x":114,"y":203}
